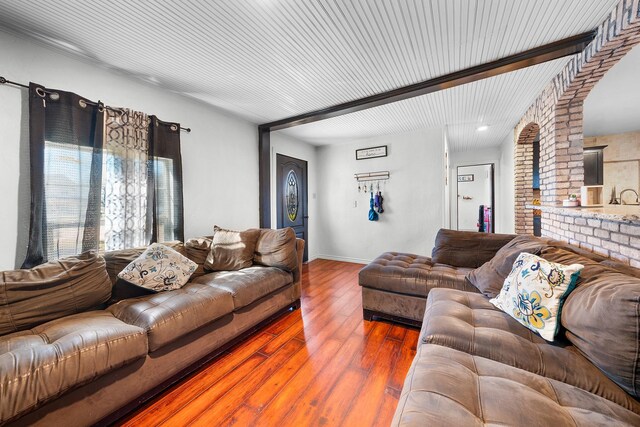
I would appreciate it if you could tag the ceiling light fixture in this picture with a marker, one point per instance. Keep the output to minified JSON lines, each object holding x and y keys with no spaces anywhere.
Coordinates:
{"x":482,"y":128}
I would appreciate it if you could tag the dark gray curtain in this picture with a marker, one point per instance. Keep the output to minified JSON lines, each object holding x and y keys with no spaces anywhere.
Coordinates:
{"x":66,"y":137}
{"x":166,"y":214}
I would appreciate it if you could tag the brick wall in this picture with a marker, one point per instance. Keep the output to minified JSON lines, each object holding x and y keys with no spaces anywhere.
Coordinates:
{"x":612,"y":239}
{"x":557,"y":113}
{"x":523,"y":176}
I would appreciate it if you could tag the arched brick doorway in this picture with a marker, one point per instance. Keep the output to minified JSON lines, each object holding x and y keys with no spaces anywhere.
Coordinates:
{"x":557,"y":113}
{"x":523,"y":176}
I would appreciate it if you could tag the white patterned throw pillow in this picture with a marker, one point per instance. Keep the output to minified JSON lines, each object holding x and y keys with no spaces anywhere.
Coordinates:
{"x":534,"y":291}
{"x":159,"y":268}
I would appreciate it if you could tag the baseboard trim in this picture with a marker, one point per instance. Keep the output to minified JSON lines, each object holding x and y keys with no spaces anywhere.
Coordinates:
{"x":344,"y":258}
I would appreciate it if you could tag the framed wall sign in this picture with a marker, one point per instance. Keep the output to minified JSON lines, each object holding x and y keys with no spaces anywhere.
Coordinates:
{"x":372,"y":152}
{"x":465,"y":178}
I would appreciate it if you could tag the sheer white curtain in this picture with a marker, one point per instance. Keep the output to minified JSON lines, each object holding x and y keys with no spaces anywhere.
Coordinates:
{"x":125,"y":180}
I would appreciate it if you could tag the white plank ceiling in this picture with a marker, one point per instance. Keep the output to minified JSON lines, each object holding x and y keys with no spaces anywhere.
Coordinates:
{"x":269,"y":59}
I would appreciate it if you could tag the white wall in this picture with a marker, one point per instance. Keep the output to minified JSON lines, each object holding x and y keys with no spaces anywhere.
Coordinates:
{"x":292,"y":147}
{"x":413,"y":197}
{"x":447,"y":183}
{"x":220,"y":156}
{"x":612,"y":105}
{"x":505,"y":216}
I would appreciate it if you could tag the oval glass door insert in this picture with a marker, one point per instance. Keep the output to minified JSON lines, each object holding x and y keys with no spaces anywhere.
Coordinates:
{"x":291,"y":195}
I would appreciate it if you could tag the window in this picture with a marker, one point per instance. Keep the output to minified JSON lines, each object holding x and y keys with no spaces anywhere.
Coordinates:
{"x":67,"y":175}
{"x":101,"y":178}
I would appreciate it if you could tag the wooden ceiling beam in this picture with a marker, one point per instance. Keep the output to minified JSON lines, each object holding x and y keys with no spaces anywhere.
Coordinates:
{"x":537,"y":55}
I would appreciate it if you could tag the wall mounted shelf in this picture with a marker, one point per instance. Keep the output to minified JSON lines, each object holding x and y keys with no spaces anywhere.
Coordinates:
{"x":372,"y":176}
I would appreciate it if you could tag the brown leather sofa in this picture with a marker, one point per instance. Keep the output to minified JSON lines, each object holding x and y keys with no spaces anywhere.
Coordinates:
{"x":476,"y":365}
{"x":71,"y":354}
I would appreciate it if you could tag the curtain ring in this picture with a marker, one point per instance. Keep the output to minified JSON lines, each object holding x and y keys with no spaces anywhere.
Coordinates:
{"x":100,"y":107}
{"x":83,"y":103}
{"x":174,"y":128}
{"x":41,"y":93}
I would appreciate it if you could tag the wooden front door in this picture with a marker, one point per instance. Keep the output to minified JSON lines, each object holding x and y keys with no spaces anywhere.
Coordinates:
{"x":291,"y":194}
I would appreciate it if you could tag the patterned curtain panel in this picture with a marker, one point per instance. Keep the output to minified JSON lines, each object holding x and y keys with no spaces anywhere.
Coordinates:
{"x":125,"y":183}
{"x":65,"y":133}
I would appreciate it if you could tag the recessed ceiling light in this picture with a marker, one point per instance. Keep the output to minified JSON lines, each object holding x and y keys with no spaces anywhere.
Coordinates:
{"x":482,"y":128}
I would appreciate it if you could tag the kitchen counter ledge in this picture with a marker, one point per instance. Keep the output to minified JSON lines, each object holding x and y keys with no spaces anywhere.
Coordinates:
{"x":628,"y":214}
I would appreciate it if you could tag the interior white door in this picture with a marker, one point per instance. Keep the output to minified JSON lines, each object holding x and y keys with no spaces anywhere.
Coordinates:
{"x":475,"y":188}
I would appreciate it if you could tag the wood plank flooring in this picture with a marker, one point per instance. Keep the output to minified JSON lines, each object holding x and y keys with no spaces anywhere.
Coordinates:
{"x":318,"y":366}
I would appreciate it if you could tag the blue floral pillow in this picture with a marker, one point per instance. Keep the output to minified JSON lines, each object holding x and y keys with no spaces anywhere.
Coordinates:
{"x":534,"y":291}
{"x":159,"y":268}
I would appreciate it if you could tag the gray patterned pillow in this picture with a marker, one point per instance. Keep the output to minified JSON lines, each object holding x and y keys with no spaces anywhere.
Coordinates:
{"x":159,"y":268}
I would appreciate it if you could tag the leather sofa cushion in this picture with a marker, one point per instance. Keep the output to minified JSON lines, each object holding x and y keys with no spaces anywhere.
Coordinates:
{"x":52,"y":290}
{"x":48,"y":360}
{"x":412,"y":275}
{"x":466,"y":248}
{"x":166,"y":316}
{"x":490,"y":276}
{"x":231,"y":250}
{"x":276,"y":248}
{"x":469,"y":322}
{"x":247,"y":285}
{"x":447,"y":387}
{"x":602,"y":319}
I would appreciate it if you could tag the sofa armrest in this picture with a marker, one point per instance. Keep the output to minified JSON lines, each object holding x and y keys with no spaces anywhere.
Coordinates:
{"x":297,"y":273}
{"x":467,"y":248}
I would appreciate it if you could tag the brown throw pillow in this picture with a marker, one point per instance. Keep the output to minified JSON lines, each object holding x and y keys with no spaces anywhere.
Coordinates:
{"x":52,"y":290}
{"x":601,"y":318}
{"x":197,"y":250}
{"x":277,"y":248}
{"x":622,"y":268}
{"x":231,"y":250}
{"x":490,"y":276}
{"x":467,"y":248}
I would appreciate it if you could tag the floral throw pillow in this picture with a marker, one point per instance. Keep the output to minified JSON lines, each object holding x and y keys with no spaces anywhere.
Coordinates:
{"x":534,"y":291}
{"x":159,"y":268}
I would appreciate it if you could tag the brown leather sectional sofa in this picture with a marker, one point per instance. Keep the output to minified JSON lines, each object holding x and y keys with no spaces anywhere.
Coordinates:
{"x":475,"y":365}
{"x":70,"y":355}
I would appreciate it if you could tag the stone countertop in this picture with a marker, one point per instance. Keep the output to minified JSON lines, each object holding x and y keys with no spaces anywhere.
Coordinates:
{"x":629,"y":214}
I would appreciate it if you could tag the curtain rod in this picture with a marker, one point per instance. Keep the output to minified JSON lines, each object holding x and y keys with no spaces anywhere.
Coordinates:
{"x":5,"y":81}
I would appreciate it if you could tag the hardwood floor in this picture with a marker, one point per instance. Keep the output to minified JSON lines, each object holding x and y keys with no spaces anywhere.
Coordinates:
{"x":318,"y":366}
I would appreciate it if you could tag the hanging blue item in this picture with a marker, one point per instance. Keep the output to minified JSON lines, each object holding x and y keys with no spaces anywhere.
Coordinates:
{"x":378,"y":201}
{"x":373,"y":216}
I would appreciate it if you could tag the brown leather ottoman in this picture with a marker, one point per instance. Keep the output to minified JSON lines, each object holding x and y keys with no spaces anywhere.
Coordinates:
{"x":395,"y":286}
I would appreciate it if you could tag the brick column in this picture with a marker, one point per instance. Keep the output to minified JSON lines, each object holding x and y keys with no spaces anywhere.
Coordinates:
{"x":523,"y":176}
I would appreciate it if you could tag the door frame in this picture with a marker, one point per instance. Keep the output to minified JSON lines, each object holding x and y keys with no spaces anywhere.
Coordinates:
{"x":493,"y":194}
{"x":305,"y":203}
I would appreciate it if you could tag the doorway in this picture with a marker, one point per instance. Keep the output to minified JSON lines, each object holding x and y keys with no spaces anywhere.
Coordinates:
{"x":291,"y":196}
{"x":476,"y":202}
